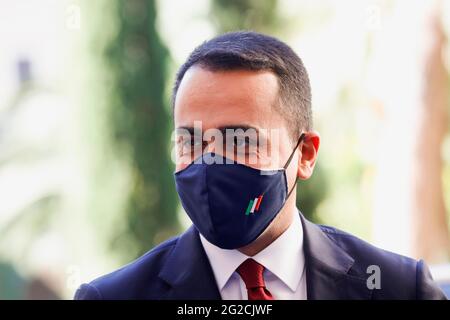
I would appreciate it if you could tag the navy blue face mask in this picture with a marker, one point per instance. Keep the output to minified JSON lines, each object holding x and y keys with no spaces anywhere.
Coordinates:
{"x":232,"y":204}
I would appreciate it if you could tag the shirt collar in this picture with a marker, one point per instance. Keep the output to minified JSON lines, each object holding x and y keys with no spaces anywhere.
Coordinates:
{"x":284,"y":257}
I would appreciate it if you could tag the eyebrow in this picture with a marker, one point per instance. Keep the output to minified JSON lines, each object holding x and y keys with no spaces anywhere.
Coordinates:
{"x":221,"y":128}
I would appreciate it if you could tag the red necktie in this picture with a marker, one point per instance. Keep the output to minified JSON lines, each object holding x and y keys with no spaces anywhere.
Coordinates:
{"x":252,"y":274}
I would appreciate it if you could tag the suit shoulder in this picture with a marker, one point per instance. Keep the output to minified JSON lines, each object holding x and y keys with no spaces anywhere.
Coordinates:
{"x":135,"y":280}
{"x":401,"y":277}
{"x":360,"y":248}
{"x":396,"y":271}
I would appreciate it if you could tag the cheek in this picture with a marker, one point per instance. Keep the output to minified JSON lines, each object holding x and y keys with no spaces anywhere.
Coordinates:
{"x":181,"y":162}
{"x":179,"y":166}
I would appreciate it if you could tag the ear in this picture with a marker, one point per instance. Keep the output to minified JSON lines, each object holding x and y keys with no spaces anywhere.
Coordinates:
{"x":308,"y":150}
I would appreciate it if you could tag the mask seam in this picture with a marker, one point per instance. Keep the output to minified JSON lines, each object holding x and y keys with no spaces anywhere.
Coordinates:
{"x":207,"y":199}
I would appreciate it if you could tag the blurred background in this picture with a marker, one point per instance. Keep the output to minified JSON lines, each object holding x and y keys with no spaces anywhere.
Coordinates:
{"x":85,"y":127}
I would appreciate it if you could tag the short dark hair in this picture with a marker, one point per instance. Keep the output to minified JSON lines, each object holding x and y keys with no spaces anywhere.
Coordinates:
{"x":250,"y":50}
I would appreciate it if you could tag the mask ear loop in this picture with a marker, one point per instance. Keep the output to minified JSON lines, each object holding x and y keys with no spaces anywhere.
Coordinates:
{"x":300,"y":139}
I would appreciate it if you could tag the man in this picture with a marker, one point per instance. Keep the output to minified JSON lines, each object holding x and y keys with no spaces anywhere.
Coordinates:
{"x":248,"y":240}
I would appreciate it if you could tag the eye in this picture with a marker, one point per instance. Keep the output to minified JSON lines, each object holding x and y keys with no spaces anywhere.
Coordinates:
{"x":187,"y":145}
{"x":197,"y":143}
{"x":184,"y":143}
{"x":240,"y":142}
{"x":188,"y":142}
{"x":244,"y":144}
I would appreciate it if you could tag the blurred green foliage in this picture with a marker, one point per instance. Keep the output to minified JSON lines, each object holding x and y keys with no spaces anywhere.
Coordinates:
{"x":141,"y":123}
{"x":230,"y":15}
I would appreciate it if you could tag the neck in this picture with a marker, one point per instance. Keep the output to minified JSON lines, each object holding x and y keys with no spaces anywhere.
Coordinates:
{"x":275,"y":229}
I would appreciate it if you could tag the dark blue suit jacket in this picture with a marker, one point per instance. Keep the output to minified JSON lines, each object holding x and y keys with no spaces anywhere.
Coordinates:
{"x":336,"y":268}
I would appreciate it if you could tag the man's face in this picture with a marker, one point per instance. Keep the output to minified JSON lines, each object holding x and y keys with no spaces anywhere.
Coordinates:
{"x":232,"y":99}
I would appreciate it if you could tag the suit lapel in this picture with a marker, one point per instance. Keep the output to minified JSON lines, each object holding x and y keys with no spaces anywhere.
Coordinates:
{"x":329,"y":273}
{"x":187,"y":270}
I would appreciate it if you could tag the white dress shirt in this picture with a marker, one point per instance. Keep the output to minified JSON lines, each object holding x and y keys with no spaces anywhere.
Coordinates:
{"x":283,"y":259}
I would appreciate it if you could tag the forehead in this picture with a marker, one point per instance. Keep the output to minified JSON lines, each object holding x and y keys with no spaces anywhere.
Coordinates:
{"x":218,"y":98}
